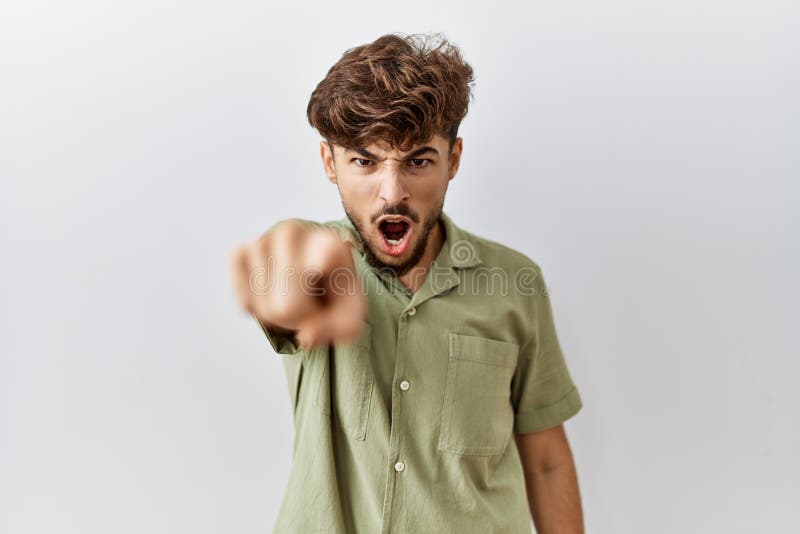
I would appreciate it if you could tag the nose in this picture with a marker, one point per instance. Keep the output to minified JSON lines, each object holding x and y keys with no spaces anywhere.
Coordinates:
{"x":392,"y":190}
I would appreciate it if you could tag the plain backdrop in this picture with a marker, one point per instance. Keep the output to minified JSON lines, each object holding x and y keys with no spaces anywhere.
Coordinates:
{"x":645,"y":154}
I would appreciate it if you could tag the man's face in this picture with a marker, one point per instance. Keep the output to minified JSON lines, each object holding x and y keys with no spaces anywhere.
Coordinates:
{"x":393,"y":198}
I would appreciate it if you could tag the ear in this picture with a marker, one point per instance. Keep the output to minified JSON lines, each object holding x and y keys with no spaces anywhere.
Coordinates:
{"x":455,"y":158}
{"x":326,"y":153}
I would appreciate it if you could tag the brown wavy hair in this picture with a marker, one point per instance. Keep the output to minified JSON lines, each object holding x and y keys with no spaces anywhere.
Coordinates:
{"x":400,"y":89}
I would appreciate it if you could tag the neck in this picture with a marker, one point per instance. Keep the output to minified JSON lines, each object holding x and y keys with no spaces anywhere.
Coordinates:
{"x":415,"y":276}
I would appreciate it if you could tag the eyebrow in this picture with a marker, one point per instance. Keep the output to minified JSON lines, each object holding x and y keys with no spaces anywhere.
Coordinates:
{"x":418,"y":152}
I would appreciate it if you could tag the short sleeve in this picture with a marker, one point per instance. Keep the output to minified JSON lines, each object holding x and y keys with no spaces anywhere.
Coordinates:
{"x":281,"y":343}
{"x":542,"y":391}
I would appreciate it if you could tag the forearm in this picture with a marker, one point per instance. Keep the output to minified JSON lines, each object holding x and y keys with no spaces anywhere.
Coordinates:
{"x":554,"y":500}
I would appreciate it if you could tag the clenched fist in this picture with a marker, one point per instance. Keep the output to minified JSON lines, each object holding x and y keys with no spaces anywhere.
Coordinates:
{"x":299,"y":278}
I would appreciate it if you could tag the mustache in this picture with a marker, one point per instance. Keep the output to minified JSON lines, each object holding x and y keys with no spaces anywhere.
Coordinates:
{"x":400,"y":209}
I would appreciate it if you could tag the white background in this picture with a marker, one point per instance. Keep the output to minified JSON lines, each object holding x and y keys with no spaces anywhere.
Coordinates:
{"x":644,"y":154}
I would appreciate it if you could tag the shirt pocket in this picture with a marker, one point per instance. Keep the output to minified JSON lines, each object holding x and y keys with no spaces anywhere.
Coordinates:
{"x":477,"y":415}
{"x":346,"y":384}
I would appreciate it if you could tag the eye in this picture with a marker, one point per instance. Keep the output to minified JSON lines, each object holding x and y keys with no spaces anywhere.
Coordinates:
{"x":420,"y":162}
{"x":361,"y":162}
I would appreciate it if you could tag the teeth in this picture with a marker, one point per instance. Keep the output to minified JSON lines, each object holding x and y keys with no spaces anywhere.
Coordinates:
{"x":394,"y":242}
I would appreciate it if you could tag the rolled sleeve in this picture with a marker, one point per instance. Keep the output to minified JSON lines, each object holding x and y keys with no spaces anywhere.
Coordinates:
{"x":542,"y":392}
{"x":281,"y":343}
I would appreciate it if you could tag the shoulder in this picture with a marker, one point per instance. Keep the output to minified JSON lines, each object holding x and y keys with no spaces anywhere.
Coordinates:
{"x":522,"y":274}
{"x":496,"y":254}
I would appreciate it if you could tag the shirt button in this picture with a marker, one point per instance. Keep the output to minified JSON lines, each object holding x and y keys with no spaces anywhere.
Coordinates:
{"x":404,"y":385}
{"x":399,"y":466}
{"x":412,"y":311}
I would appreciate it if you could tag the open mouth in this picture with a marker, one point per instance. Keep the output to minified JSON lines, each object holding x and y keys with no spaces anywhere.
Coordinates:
{"x":395,"y":234}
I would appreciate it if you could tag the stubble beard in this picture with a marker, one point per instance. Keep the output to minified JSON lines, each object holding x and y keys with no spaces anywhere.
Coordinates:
{"x":416,"y":254}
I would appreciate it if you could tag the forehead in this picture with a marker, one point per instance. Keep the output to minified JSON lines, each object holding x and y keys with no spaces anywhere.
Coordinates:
{"x":383,"y":149}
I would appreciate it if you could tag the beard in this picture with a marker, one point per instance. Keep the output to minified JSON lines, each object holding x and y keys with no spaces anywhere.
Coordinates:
{"x":398,"y":269}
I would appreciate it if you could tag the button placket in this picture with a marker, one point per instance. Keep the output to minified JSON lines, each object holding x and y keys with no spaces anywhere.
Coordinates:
{"x":395,"y":437}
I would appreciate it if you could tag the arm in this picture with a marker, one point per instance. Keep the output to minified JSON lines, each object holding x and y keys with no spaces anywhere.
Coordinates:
{"x":551,"y":481}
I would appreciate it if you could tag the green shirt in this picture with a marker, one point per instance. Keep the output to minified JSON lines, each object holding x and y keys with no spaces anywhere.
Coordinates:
{"x":410,"y":428}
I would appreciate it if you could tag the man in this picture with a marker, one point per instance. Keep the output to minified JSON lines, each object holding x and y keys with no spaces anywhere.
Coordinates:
{"x":413,"y":348}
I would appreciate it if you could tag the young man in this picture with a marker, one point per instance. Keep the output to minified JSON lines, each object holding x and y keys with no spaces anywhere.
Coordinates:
{"x":413,"y":348}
